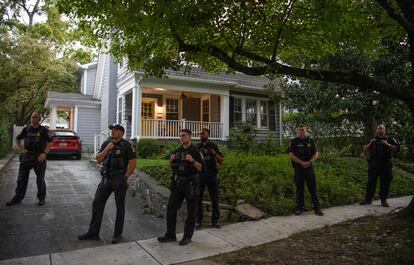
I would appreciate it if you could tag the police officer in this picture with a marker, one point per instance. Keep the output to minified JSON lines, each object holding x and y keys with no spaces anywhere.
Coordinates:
{"x":303,"y":152}
{"x":380,"y":149}
{"x":186,"y":162}
{"x":33,"y":154}
{"x":208,"y":177}
{"x":119,"y":161}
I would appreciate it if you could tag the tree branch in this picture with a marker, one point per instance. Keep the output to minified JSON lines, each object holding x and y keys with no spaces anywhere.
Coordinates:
{"x":397,"y":17}
{"x":289,"y":9}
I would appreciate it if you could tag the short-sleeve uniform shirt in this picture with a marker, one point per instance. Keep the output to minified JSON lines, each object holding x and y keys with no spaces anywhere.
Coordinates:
{"x":303,"y":149}
{"x":35,"y":139}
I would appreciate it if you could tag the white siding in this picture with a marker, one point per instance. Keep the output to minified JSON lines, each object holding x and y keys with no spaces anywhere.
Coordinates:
{"x":88,"y":125}
{"x":108,"y":93}
{"x":90,"y":82}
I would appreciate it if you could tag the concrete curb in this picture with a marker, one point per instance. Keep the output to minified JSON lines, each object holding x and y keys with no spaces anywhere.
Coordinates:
{"x":4,"y":163}
{"x":210,"y":242}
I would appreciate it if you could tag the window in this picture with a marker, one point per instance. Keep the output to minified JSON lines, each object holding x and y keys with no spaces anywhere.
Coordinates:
{"x":251,"y":112}
{"x":237,"y":109}
{"x":147,"y":110}
{"x":264,"y":114}
{"x":205,"y":110}
{"x":172,"y":109}
{"x":120,"y":107}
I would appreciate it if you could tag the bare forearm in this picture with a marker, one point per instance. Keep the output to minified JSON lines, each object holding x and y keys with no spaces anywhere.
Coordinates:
{"x":48,"y":146}
{"x":220,"y":159}
{"x":197,"y":165}
{"x":131,"y":167}
{"x":314,"y":157}
{"x":294,"y":158}
{"x":393,"y":147}
{"x":101,"y":156}
{"x":19,"y":145}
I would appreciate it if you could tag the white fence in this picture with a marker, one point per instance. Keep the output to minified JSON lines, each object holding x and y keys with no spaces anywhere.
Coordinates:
{"x":170,"y":129}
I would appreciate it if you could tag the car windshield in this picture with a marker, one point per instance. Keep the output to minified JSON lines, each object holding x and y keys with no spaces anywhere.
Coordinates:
{"x":57,"y":133}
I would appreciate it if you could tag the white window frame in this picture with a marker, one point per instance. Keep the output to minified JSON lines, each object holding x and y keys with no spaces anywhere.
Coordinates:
{"x":179,"y":106}
{"x":241,"y":108}
{"x":258,"y":113}
{"x":120,"y":110}
{"x":203,"y":99}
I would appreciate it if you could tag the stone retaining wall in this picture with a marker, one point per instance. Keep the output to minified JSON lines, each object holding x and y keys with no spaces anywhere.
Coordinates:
{"x":156,"y":197}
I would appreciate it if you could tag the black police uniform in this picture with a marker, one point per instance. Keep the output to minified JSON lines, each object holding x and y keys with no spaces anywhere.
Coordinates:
{"x":379,"y":164}
{"x":304,"y":149}
{"x":208,"y":177}
{"x":35,"y":142}
{"x":113,"y":180}
{"x":184,"y":185}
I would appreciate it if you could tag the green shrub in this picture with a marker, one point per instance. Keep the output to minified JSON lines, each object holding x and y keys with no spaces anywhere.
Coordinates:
{"x":147,"y":148}
{"x":242,"y":137}
{"x":167,"y":150}
{"x":5,"y":144}
{"x":267,"y":181}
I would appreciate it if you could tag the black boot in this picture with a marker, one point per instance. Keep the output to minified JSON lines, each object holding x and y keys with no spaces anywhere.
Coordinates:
{"x":13,"y":201}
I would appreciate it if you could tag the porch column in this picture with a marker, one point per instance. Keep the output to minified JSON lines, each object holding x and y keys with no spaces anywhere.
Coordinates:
{"x":225,"y":115}
{"x":53,"y":117}
{"x":136,"y":110}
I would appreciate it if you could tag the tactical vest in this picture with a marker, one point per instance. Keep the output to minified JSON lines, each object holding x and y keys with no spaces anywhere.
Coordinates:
{"x":211,"y":164}
{"x":33,"y":141}
{"x":116,"y":158}
{"x":181,"y":167}
{"x":379,"y":152}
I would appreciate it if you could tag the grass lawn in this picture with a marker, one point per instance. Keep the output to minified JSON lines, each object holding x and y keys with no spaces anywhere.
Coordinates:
{"x":367,"y":240}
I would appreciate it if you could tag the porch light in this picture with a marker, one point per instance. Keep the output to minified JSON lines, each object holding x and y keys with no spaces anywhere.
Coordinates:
{"x":159,"y":109}
{"x":159,"y":88}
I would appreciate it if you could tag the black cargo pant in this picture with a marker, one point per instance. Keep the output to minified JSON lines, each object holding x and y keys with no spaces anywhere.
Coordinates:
{"x":117,"y":184}
{"x":189,"y":191}
{"x":383,"y":170}
{"x":307,"y":175}
{"x":212,"y":184}
{"x":23,"y":178}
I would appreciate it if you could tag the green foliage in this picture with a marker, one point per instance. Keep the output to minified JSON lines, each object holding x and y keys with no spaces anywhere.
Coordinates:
{"x":29,"y":70}
{"x":5,"y":144}
{"x":167,"y":150}
{"x":242,"y":137}
{"x":147,"y":148}
{"x":267,"y":181}
{"x":157,"y":168}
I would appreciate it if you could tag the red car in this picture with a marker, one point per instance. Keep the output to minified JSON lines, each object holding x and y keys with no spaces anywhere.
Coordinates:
{"x":65,"y":142}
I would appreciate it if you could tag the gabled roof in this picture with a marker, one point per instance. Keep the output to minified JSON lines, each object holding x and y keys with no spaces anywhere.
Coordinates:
{"x":242,"y":80}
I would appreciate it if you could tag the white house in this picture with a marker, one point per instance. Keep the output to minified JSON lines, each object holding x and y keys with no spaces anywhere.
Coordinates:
{"x":157,"y":108}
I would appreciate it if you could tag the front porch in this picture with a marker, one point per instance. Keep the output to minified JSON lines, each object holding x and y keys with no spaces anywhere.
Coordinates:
{"x":168,"y":107}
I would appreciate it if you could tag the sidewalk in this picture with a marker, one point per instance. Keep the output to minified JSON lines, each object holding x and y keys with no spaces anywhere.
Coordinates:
{"x":210,"y":242}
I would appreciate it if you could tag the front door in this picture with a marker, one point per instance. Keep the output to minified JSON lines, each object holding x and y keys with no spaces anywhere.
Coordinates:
{"x":147,"y":118}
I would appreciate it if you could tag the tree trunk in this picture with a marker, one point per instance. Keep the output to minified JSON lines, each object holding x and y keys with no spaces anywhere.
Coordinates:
{"x":407,"y":212}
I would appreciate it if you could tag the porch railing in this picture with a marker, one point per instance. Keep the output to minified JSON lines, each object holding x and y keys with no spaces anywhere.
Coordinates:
{"x":100,"y":138}
{"x":170,"y":129}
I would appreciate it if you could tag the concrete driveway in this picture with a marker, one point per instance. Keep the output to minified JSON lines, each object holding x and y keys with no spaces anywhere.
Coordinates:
{"x":28,"y":229}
